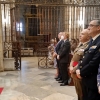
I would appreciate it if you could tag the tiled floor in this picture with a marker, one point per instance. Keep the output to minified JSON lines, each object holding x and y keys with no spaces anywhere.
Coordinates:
{"x":32,"y":83}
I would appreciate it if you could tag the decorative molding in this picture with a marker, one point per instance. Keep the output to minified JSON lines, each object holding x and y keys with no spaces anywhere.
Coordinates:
{"x":83,"y":2}
{"x":60,"y":2}
{"x":94,"y":2}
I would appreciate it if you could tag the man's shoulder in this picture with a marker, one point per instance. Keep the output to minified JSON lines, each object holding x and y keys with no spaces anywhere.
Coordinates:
{"x":60,"y":41}
{"x":97,"y":40}
{"x":85,"y":45}
{"x":67,"y":41}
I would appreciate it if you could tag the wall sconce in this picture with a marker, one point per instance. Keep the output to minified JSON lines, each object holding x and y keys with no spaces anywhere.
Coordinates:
{"x":81,"y":24}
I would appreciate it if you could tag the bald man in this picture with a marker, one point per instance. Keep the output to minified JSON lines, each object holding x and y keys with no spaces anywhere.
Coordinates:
{"x":77,"y":56}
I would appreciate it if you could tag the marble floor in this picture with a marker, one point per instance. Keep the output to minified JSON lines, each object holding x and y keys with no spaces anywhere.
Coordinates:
{"x":33,"y":83}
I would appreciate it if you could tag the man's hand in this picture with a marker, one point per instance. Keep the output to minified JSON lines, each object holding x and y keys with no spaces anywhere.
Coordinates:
{"x":54,"y":54}
{"x":58,"y":57}
{"x":78,"y":73}
{"x":99,"y":89}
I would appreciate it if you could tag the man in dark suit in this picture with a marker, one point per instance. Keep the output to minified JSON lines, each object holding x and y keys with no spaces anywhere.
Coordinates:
{"x":57,"y":48}
{"x":63,"y":57}
{"x":88,"y":66}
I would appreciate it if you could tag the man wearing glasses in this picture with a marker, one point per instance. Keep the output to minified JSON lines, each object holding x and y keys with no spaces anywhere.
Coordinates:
{"x":88,"y":67}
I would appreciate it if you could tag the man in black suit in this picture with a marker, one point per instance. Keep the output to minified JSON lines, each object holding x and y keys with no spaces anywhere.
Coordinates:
{"x":88,"y":66}
{"x":63,"y":57}
{"x":57,"y":48}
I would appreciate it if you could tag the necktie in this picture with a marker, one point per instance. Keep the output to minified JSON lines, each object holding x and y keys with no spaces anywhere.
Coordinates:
{"x":90,"y":43}
{"x":80,"y":45}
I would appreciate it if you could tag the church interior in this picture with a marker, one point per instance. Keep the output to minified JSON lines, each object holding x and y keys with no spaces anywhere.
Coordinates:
{"x":26,"y":28}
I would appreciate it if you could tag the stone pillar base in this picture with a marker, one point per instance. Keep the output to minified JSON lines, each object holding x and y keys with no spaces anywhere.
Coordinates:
{"x":8,"y":64}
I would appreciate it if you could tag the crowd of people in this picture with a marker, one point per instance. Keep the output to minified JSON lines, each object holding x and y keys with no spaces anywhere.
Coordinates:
{"x":84,"y":66}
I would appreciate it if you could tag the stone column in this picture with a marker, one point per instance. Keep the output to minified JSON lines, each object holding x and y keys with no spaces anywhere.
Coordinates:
{"x":1,"y":43}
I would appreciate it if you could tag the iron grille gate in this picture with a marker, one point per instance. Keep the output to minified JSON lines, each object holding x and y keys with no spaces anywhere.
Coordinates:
{"x":31,"y":19}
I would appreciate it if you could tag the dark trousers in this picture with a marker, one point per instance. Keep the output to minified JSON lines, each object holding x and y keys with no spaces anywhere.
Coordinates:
{"x":59,"y":71}
{"x":64,"y":72}
{"x":90,"y":94}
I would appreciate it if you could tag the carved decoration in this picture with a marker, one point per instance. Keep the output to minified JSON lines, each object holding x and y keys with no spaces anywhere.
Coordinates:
{"x":80,"y":2}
